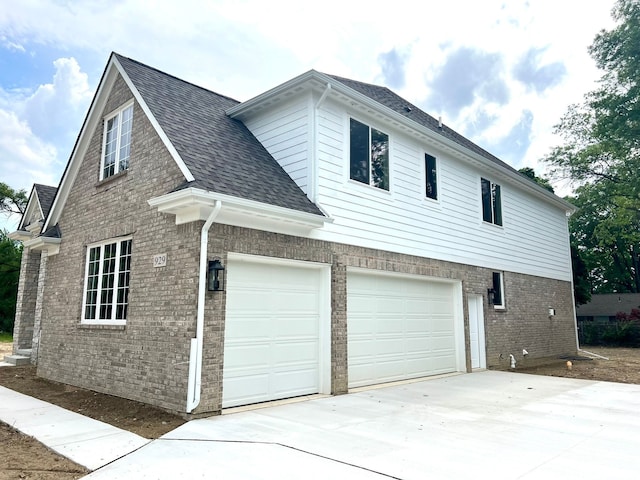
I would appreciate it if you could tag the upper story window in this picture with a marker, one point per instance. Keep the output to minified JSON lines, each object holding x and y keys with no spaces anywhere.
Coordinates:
{"x":491,"y":202}
{"x":369,"y":161}
{"x":106,"y":285}
{"x":117,"y":142}
{"x":431,"y":176}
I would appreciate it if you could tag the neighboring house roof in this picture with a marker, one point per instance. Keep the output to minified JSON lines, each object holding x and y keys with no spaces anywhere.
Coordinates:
{"x":221,"y":153}
{"x":608,"y":304}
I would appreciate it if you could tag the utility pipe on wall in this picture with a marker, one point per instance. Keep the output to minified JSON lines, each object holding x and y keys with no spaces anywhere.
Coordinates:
{"x":195,"y":353}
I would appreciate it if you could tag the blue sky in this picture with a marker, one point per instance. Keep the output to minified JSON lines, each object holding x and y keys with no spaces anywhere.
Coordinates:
{"x":501,"y":73}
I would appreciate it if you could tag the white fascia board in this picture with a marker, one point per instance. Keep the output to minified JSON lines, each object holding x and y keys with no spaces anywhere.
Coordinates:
{"x":194,"y":204}
{"x":50,"y":245}
{"x":163,"y":136}
{"x":338,"y":90}
{"x":20,"y":235}
{"x":33,"y":200}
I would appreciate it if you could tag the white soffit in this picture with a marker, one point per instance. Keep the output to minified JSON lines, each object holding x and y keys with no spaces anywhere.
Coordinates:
{"x":192,"y":204}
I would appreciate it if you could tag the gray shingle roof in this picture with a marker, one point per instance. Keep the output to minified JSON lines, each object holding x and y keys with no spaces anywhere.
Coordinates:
{"x":399,"y":105}
{"x":221,"y":153}
{"x":46,"y":194}
{"x":608,"y":304}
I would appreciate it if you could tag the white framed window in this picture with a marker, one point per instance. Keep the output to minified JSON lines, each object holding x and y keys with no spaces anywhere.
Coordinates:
{"x":491,"y":202}
{"x":116,"y":145}
{"x":431,"y":176}
{"x":497,"y":292}
{"x":106,"y":282}
{"x":369,"y":155}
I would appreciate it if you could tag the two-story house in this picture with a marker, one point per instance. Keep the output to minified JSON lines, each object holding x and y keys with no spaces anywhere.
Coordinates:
{"x":202,"y":253}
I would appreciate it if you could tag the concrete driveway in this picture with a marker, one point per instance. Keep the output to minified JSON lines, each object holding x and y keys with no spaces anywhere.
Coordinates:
{"x":488,"y":424}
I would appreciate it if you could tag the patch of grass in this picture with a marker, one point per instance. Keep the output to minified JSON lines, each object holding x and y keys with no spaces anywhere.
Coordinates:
{"x":6,"y":337}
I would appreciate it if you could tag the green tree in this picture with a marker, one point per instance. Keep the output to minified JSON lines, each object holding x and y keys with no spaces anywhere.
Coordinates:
{"x":531,"y":173}
{"x":10,"y":255}
{"x":12,"y":201}
{"x":600,"y":154}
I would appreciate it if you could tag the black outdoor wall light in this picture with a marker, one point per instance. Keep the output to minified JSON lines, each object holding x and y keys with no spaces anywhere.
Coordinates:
{"x":215,"y":276}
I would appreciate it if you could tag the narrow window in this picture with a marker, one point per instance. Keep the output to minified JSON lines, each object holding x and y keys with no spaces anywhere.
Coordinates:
{"x":498,"y":290}
{"x":117,"y":142}
{"x":108,"y":271}
{"x":369,"y":155}
{"x":491,"y":202}
{"x":431,"y":176}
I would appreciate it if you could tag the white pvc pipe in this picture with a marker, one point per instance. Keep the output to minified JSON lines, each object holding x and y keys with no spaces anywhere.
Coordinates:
{"x":195,"y":352}
{"x":593,"y":354}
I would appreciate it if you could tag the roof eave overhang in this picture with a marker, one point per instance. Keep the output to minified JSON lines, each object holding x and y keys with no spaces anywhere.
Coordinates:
{"x":358,"y":101}
{"x":51,"y":245}
{"x":194,"y":204}
{"x":20,"y":235}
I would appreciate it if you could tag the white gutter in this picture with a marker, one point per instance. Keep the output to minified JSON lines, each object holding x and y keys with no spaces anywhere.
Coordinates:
{"x":195,"y":353}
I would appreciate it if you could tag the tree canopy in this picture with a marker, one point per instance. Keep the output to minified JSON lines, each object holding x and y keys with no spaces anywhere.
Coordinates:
{"x":10,"y":254}
{"x":12,"y":201}
{"x":600,"y":154}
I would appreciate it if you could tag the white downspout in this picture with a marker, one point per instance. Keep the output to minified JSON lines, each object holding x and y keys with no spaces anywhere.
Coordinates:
{"x":313,"y":174}
{"x":195,"y":353}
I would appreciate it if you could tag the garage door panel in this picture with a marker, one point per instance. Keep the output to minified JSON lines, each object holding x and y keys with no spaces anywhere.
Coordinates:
{"x":398,"y":328}
{"x":272,"y":339}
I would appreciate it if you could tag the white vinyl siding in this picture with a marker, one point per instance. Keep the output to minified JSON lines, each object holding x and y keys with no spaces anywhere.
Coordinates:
{"x":533,"y":241}
{"x":284,"y":133}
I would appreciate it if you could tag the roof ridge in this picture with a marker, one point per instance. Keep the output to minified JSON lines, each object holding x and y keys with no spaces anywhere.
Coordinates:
{"x":119,"y":56}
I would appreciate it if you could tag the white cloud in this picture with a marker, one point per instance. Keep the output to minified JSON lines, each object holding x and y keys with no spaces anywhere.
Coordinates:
{"x":241,"y":48}
{"x":37,"y":128}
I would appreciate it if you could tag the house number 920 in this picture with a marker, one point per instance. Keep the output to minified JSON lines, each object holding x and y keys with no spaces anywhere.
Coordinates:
{"x":160,"y":260}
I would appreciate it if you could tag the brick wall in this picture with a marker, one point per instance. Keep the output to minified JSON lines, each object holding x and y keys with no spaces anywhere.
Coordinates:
{"x":26,"y":300}
{"x":146,"y":360}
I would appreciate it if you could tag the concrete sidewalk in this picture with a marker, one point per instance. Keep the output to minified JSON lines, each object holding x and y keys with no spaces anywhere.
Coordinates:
{"x":86,"y":441}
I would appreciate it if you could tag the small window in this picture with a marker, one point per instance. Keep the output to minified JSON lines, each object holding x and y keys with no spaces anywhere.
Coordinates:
{"x":491,"y":202}
{"x":117,"y":142}
{"x":106,"y":286}
{"x":498,"y":290}
{"x":431,"y":176}
{"x":369,"y":160}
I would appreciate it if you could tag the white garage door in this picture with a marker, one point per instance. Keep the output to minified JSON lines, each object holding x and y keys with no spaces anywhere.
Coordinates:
{"x":398,"y":328}
{"x":272,"y":332}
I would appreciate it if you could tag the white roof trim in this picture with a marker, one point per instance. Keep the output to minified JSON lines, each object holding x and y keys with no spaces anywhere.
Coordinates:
{"x":20,"y":235}
{"x":92,"y":121}
{"x":51,"y":245}
{"x":163,"y":136}
{"x":193,"y":204}
{"x":33,"y":197}
{"x":339,"y":89}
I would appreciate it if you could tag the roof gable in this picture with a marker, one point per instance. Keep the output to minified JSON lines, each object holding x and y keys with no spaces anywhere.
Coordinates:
{"x":221,"y":153}
{"x":214,"y":152}
{"x":38,"y":205}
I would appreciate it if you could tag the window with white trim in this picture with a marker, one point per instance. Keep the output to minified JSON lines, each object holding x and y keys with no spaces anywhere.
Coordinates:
{"x":491,"y":202}
{"x":116,"y":147}
{"x":369,"y":155}
{"x":431,"y":177}
{"x":106,"y":285}
{"x":498,"y":290}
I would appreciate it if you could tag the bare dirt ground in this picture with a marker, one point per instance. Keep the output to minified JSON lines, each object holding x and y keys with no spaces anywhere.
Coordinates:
{"x":25,"y":458}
